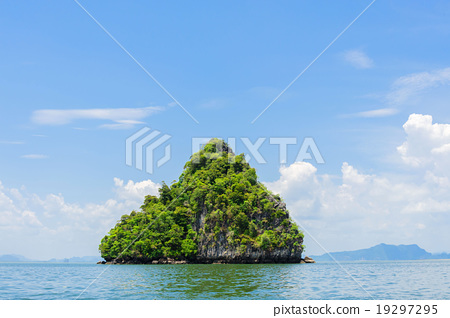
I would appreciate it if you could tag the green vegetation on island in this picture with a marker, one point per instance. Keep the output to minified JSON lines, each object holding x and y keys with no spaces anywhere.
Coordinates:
{"x":217,"y":211}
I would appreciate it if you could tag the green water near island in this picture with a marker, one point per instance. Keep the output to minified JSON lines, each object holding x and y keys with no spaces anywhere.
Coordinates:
{"x":382,"y":280}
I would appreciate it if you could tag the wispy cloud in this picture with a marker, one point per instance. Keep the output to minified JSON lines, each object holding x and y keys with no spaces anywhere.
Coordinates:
{"x":402,"y":90}
{"x":122,"y":124}
{"x":358,"y":59}
{"x":34,"y":156}
{"x":411,"y":85}
{"x":214,"y":104}
{"x":9,"y":142}
{"x":381,"y":112}
{"x":120,"y":116}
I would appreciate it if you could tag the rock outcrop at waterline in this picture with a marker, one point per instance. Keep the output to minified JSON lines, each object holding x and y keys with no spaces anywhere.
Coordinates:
{"x":307,"y":260}
{"x":217,"y":212}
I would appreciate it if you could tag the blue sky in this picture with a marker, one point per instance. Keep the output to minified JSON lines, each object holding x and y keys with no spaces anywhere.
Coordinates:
{"x":225,"y":62}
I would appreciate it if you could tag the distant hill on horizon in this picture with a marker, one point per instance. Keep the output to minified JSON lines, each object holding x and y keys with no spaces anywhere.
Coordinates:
{"x":383,"y":252}
{"x":76,"y":259}
{"x":15,"y":258}
{"x":380,"y":252}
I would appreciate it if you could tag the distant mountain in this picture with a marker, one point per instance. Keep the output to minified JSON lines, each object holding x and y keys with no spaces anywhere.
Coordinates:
{"x":14,"y":258}
{"x":383,"y":252}
{"x":76,"y":259}
{"x":440,"y":256}
{"x":19,"y":258}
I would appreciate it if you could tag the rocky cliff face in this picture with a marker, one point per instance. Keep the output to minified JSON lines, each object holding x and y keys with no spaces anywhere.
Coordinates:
{"x":218,"y":249}
{"x":217,"y":212}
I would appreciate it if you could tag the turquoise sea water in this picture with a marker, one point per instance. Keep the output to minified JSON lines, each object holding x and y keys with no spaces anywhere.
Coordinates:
{"x":382,"y":280}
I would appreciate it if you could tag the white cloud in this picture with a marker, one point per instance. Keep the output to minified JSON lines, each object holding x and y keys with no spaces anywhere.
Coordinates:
{"x":357,"y":210}
{"x":403,"y":90}
{"x":381,"y":112}
{"x":34,"y":156}
{"x":120,"y":116}
{"x":122,"y":124}
{"x":358,"y":59}
{"x":406,"y":87}
{"x":9,"y":142}
{"x":135,"y":190}
{"x":427,"y":145}
{"x":214,"y":104}
{"x":46,"y":227}
{"x":361,"y":210}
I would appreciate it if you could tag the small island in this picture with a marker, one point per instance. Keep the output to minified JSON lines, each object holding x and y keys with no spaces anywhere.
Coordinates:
{"x":217,"y":212}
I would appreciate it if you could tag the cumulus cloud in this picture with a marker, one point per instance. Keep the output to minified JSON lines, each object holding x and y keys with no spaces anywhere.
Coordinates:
{"x":135,"y":191}
{"x":358,"y":59}
{"x":49,"y":226}
{"x":427,"y":145}
{"x":357,"y":210}
{"x":121,"y":117}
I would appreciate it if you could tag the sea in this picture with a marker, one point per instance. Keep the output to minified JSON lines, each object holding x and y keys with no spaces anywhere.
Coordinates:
{"x":425,"y":279}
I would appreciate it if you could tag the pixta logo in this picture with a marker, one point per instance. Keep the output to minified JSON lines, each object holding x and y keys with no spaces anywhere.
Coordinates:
{"x":140,"y":148}
{"x":308,"y":149}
